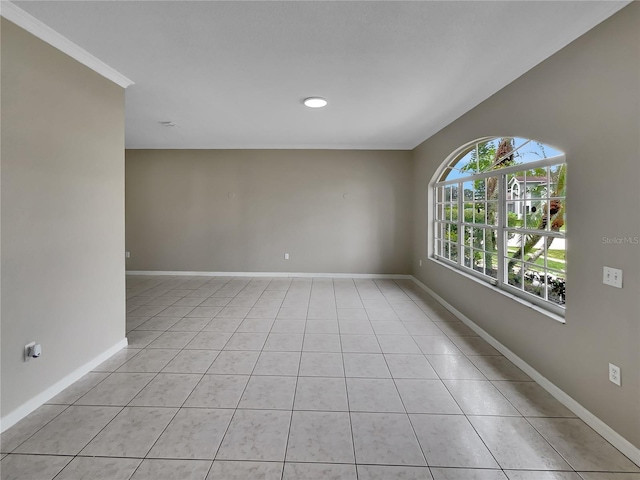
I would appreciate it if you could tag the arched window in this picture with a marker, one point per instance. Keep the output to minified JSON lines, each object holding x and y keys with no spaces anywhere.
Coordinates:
{"x":499,"y":214}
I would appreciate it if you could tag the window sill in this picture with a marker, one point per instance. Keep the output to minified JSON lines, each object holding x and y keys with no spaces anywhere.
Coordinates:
{"x":521,"y":301}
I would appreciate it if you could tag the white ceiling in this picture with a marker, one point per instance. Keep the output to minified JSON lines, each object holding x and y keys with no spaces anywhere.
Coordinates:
{"x":234,"y":74}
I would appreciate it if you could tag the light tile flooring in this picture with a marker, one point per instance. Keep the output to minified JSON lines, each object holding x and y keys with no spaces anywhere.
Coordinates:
{"x":259,"y":378}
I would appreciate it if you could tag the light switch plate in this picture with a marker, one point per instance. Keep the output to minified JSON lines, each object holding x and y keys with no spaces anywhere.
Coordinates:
{"x":612,"y":276}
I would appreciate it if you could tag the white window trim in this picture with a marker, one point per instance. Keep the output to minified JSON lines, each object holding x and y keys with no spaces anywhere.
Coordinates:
{"x":555,"y":312}
{"x":443,"y":262}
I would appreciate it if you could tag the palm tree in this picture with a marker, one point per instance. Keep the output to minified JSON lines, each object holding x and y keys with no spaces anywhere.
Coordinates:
{"x":504,"y":157}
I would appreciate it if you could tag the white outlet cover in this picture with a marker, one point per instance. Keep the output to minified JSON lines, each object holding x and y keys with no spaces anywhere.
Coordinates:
{"x":614,"y":374}
{"x":27,"y":351}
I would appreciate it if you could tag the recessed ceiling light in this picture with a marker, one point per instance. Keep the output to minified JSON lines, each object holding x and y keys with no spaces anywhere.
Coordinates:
{"x":168,"y":124}
{"x":315,"y":102}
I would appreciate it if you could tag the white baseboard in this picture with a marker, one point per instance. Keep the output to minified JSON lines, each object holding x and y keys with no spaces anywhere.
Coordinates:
{"x":26,"y":408}
{"x":271,"y":274}
{"x":613,"y":437}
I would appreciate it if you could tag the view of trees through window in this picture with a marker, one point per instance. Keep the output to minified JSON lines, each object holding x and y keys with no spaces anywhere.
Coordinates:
{"x":500,"y":211}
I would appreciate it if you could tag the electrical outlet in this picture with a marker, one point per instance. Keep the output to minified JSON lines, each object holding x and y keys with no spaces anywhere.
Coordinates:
{"x":27,"y":351}
{"x":127,"y":254}
{"x":420,"y":262}
{"x":612,"y":277}
{"x":286,"y":256}
{"x":614,"y":374}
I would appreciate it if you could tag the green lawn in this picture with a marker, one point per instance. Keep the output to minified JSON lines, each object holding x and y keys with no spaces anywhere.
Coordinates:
{"x":551,"y":255}
{"x":557,"y":254}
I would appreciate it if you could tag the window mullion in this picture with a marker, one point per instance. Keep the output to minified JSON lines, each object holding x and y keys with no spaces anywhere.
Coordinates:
{"x":502,"y":242}
{"x":546,"y":272}
{"x":460,"y":228}
{"x":435,"y":221}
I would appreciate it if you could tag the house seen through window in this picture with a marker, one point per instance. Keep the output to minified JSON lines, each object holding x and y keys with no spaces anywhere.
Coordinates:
{"x":500,"y":215}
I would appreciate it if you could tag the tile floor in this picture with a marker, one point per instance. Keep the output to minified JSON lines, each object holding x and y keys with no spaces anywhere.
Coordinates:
{"x":259,"y":378}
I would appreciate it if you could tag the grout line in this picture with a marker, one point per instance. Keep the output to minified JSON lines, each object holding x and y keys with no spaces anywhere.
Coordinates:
{"x":286,"y":446}
{"x":566,"y":460}
{"x":235,"y":410}
{"x":151,"y":380}
{"x":40,"y":428}
{"x":510,"y":403}
{"x":353,"y":440}
{"x":175,"y":282}
{"x":415,"y":435}
{"x":465,"y":415}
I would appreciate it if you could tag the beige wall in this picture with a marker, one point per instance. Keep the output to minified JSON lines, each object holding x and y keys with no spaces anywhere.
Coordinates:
{"x":585,"y":100}
{"x":62,"y":214}
{"x":241,"y":210}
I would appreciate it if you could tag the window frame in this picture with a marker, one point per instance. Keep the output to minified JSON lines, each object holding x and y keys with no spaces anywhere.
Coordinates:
{"x":501,"y":283}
